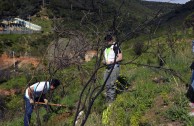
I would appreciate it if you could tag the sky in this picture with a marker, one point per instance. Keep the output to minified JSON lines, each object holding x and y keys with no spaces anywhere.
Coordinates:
{"x":171,"y":1}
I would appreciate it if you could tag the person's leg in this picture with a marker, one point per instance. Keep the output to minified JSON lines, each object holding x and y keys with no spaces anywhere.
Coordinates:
{"x":110,"y":85}
{"x":28,"y":111}
{"x":113,"y":78}
{"x":107,"y":85}
{"x":189,"y":93}
{"x":192,"y":76}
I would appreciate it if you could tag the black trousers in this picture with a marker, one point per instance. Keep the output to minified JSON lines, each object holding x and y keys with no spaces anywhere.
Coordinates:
{"x":190,"y":94}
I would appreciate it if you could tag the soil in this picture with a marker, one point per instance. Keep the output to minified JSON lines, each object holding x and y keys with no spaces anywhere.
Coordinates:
{"x":154,"y":113}
{"x":10,"y":92}
{"x":6,"y":62}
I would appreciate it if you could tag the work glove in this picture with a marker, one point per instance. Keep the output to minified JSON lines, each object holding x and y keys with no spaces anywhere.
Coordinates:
{"x":31,"y":101}
{"x":45,"y":101}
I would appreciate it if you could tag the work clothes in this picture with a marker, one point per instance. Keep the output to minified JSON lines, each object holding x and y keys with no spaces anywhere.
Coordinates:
{"x":39,"y":90}
{"x":110,"y":84}
{"x":190,"y":91}
{"x":110,"y":54}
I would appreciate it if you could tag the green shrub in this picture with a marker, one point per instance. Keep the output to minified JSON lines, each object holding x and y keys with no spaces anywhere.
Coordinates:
{"x":15,"y":102}
{"x":15,"y":83}
{"x":13,"y":122}
{"x":179,"y":110}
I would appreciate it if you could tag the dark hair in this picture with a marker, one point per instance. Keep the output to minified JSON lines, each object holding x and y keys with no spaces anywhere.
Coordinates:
{"x":55,"y":82}
{"x":108,"y":38}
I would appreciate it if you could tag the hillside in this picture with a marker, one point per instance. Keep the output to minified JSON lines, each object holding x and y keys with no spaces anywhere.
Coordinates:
{"x":177,"y":16}
{"x":163,"y":7}
{"x":155,"y":67}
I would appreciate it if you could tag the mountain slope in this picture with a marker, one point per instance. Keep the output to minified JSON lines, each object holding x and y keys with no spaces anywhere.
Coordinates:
{"x":177,"y":16}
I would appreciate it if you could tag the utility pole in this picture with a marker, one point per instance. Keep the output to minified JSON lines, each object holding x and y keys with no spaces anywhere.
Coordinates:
{"x":14,"y":60}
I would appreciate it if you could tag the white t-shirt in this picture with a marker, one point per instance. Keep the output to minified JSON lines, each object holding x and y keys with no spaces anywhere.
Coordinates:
{"x":39,"y":88}
{"x":109,"y":53}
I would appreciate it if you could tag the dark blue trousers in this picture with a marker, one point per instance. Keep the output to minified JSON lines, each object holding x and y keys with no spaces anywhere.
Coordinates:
{"x":190,"y":91}
{"x":28,"y":111}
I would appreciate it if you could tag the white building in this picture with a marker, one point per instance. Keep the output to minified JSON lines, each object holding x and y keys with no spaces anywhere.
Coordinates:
{"x":28,"y":24}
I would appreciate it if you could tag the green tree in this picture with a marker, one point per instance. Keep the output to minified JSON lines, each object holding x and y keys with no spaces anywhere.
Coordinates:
{"x":189,"y":21}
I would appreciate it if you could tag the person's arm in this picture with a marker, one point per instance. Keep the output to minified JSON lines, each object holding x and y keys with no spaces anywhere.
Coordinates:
{"x":45,"y":101}
{"x":31,"y":92}
{"x":118,"y":53}
{"x":119,"y":57}
{"x":43,"y":96}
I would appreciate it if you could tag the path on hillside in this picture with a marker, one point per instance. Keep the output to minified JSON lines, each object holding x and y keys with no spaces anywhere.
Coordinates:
{"x":10,"y":92}
{"x":6,"y":62}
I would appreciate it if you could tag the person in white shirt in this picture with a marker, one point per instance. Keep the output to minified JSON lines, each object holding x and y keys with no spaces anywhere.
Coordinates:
{"x":112,"y":57}
{"x":36,"y":93}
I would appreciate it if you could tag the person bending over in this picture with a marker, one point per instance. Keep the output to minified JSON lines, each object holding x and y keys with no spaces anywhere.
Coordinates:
{"x":36,"y":93}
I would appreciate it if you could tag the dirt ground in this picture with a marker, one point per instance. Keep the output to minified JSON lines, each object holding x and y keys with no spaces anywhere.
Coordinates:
{"x":6,"y":62}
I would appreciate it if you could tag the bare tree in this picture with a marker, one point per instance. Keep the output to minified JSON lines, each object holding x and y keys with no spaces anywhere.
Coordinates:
{"x":69,"y":46}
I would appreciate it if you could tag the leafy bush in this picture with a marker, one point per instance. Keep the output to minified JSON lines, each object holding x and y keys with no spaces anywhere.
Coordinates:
{"x":122,"y":84}
{"x":138,"y":48}
{"x":15,"y":102}
{"x":179,"y":110}
{"x":189,"y":21}
{"x":14,"y":83}
{"x":5,"y":75}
